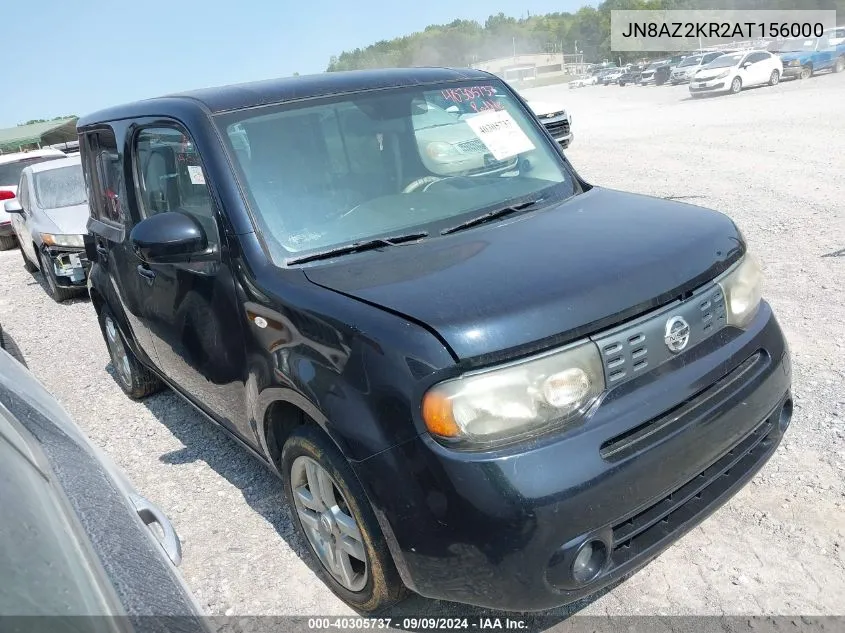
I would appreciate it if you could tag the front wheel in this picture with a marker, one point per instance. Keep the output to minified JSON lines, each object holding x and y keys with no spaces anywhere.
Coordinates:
{"x":806,"y":72}
{"x":334,"y":517}
{"x":136,"y":380}
{"x":736,"y":85}
{"x":774,"y":78}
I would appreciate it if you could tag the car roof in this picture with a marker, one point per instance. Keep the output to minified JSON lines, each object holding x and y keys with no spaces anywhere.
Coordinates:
{"x":273,"y":91}
{"x":35,"y":153}
{"x":49,"y":165}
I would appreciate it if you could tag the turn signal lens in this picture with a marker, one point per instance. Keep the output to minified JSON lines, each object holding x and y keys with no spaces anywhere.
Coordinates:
{"x":437,"y":413}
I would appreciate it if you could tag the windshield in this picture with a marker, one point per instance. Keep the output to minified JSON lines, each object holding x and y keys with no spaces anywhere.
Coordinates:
{"x":690,"y":61}
{"x":655,"y":65}
{"x":798,"y":45}
{"x":62,"y":187}
{"x":10,"y":173}
{"x":725,"y":61}
{"x":327,"y":173}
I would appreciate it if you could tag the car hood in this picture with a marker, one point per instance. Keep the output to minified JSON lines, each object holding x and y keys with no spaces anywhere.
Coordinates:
{"x":541,"y":108}
{"x":546,"y":276}
{"x":710,"y":73}
{"x":69,"y":220}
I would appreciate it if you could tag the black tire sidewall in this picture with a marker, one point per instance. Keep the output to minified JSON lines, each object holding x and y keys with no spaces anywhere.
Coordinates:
{"x":384,"y":587}
{"x":144,"y":382}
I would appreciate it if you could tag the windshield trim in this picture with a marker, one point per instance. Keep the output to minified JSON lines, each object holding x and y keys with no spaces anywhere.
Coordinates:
{"x":222,"y":119}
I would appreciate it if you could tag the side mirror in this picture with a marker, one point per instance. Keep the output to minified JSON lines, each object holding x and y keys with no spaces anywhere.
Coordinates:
{"x":13,"y":206}
{"x":168,"y":238}
{"x":746,"y":64}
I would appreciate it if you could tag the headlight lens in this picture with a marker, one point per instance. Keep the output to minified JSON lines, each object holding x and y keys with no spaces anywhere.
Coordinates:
{"x":794,"y":62}
{"x":517,"y":400}
{"x":440,"y":150}
{"x":743,"y":289}
{"x":51,"y":239}
{"x":724,"y":73}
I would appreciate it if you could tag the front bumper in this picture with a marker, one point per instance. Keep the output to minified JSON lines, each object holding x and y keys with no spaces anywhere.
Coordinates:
{"x":708,"y":86}
{"x":70,"y":266}
{"x":501,"y":529}
{"x":792,"y":71}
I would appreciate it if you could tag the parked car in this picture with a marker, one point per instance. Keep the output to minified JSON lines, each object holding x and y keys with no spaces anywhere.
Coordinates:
{"x":78,"y":540}
{"x":647,"y":75}
{"x":687,"y":68}
{"x":556,"y":120}
{"x":49,"y":218}
{"x":612,"y":76}
{"x":631,"y":76}
{"x":733,"y":72}
{"x":417,"y":355}
{"x":803,"y":57}
{"x":584,"y":80}
{"x":11,"y":166}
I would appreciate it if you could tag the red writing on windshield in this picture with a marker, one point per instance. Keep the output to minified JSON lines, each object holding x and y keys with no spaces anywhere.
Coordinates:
{"x":467,"y":93}
{"x":485,"y":105}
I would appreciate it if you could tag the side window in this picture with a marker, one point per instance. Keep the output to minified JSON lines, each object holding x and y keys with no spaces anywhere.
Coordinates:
{"x":757,"y":57}
{"x":104,"y":177}
{"x":169,"y":177}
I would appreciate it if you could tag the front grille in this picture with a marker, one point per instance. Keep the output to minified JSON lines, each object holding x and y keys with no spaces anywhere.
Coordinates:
{"x":474,"y":146}
{"x":558,"y":128}
{"x":649,"y":433}
{"x":632,"y":349}
{"x":679,"y":509}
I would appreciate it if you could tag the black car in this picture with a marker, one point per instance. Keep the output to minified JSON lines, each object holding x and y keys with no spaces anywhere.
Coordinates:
{"x":631,"y":76}
{"x":80,"y":549}
{"x":500,"y":387}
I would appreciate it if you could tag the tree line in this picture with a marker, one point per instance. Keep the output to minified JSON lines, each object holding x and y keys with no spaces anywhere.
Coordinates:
{"x":464,"y":42}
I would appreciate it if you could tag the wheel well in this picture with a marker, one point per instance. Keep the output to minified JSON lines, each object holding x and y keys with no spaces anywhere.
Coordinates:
{"x":279,"y":422}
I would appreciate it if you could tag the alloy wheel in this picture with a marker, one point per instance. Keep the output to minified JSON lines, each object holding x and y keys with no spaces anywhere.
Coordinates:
{"x":328,"y":523}
{"x":775,"y":78}
{"x":119,"y":357}
{"x":736,"y":85}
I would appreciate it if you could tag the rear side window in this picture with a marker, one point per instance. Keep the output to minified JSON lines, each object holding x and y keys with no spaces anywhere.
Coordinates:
{"x":107,"y":189}
{"x":169,"y":177}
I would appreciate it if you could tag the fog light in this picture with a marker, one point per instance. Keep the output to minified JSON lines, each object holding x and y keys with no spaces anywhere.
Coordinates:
{"x":589,"y":561}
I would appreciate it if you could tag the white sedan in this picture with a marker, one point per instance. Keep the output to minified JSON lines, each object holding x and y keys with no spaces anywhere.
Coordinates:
{"x":735,"y":71}
{"x":556,"y":120}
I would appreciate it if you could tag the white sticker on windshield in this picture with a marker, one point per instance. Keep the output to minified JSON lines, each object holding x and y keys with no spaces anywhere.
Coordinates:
{"x":195,"y":173}
{"x":500,"y":133}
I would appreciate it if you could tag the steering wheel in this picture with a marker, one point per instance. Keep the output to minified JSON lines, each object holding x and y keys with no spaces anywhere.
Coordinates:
{"x":421,"y":182}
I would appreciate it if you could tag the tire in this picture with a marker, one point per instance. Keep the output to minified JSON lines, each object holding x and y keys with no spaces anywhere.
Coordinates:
{"x":8,"y":344}
{"x":8,"y":242}
{"x":774,"y":78}
{"x":57,"y":293}
{"x":136,"y":380}
{"x":806,"y":72}
{"x":839,"y":64}
{"x":380,"y":584}
{"x":28,"y":265}
{"x":736,"y":85}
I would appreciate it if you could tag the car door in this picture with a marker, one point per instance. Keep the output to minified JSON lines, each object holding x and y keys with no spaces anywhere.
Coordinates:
{"x":192,"y":311}
{"x":756,"y":69}
{"x":825,"y":52}
{"x":21,"y":221}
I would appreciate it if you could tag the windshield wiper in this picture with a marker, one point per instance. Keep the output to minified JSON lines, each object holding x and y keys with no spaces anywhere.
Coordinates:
{"x":356,"y":247}
{"x":490,"y":215}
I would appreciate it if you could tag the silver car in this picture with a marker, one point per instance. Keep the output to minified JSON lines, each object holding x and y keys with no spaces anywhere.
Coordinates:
{"x":685,"y":71}
{"x":49,"y":218}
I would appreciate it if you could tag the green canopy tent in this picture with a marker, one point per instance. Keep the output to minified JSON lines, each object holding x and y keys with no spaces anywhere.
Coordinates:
{"x":37,"y":135}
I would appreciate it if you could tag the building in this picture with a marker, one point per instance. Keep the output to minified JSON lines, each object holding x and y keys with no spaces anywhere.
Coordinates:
{"x":525,"y":68}
{"x":37,"y":135}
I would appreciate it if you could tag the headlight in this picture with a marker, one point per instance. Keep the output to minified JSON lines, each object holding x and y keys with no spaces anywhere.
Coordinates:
{"x":724,"y":73}
{"x":513,"y":401}
{"x":743,"y":289}
{"x":440,"y":150}
{"x":51,"y":239}
{"x":794,"y":62}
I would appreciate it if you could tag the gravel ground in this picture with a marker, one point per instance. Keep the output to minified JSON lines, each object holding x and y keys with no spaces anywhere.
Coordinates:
{"x":771,"y":158}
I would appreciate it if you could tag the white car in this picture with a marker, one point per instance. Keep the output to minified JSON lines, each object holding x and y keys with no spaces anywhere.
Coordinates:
{"x":735,"y":71}
{"x":556,"y":120}
{"x":584,"y":80}
{"x":49,"y":217}
{"x":11,"y":166}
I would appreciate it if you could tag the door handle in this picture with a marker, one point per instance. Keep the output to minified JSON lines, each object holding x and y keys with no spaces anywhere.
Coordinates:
{"x":150,"y":514}
{"x":147,"y":274}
